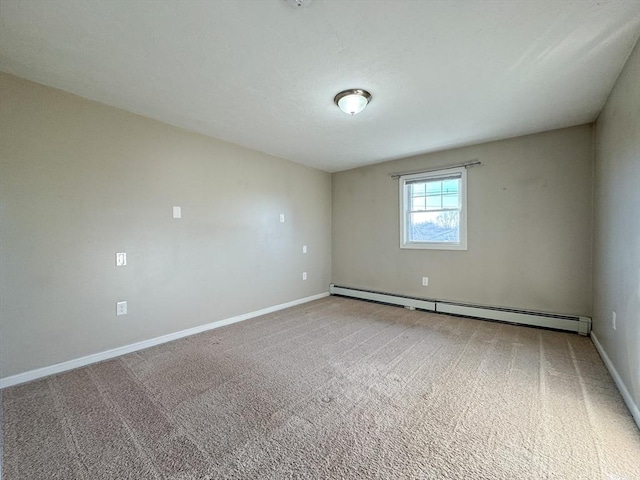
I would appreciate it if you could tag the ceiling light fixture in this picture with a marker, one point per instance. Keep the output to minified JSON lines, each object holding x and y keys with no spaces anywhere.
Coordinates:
{"x":352,"y":101}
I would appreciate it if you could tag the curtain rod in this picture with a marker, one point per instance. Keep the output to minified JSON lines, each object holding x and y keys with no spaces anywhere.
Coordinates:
{"x":465,"y":165}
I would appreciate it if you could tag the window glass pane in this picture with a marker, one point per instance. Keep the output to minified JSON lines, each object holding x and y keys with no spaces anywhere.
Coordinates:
{"x":417,"y":203}
{"x":451,"y":186}
{"x":417,"y":189}
{"x":434,"y":188}
{"x":436,"y":227}
{"x":450,"y":201}
{"x":434,"y":201}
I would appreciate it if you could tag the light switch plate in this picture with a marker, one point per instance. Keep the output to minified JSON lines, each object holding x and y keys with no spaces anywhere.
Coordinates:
{"x":304,"y":249}
{"x":121,"y":259}
{"x":177,"y":212}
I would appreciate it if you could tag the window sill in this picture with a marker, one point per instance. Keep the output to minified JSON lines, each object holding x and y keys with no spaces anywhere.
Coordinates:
{"x":432,"y":246}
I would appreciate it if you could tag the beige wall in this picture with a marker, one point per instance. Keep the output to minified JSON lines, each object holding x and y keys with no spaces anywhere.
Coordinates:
{"x":529,"y":227}
{"x":82,"y":181}
{"x":617,"y":226}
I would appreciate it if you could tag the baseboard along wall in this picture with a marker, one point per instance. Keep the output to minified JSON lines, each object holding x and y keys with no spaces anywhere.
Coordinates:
{"x":624,"y":391}
{"x":116,"y":352}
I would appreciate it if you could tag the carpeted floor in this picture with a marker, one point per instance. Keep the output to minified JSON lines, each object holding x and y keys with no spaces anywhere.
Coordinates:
{"x":332,"y":389}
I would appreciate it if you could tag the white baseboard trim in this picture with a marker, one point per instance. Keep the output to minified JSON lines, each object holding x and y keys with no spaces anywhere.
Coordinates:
{"x":628,"y":399}
{"x":116,"y":352}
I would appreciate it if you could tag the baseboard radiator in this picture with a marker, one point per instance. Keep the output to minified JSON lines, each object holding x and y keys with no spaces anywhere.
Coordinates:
{"x":570,"y":323}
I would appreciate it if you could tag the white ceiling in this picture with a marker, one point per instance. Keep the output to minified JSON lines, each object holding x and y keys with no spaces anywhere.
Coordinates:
{"x":263,"y":74}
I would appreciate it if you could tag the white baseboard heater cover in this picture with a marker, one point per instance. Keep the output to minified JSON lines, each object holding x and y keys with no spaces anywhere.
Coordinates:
{"x":570,"y":323}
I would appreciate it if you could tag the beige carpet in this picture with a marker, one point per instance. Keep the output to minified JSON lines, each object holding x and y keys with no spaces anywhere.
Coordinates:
{"x":332,"y":389}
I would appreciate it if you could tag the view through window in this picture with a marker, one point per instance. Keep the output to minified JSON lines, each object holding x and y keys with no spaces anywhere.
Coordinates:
{"x":433,"y":213}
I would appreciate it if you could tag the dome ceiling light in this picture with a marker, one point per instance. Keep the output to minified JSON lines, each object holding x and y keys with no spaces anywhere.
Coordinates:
{"x":352,"y":101}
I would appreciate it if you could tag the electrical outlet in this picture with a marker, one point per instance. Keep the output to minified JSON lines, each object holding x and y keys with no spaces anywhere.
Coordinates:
{"x":425,"y":281}
{"x":282,"y":218}
{"x":121,"y":308}
{"x":304,"y":249}
{"x":304,"y":275}
{"x":613,"y":320}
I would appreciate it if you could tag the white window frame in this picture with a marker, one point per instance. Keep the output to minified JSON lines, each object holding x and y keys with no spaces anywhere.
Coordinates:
{"x":404,"y":203}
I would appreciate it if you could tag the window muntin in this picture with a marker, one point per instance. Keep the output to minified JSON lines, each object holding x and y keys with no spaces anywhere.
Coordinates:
{"x":433,"y":210}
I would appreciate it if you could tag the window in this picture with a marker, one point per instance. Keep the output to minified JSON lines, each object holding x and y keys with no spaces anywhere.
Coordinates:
{"x":433,"y":210}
